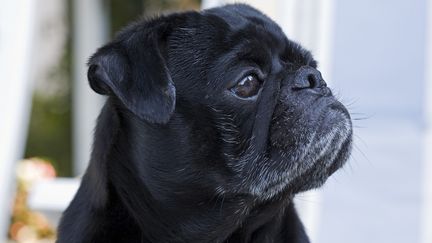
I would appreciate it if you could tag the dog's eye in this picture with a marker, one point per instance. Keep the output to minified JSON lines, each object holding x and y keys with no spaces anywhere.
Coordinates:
{"x":248,"y":87}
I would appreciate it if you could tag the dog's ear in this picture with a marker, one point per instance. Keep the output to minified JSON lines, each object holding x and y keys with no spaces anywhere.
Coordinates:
{"x":133,"y":69}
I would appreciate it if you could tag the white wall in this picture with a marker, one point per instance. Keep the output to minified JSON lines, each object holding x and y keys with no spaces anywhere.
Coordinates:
{"x":379,"y":67}
{"x":426,"y":213}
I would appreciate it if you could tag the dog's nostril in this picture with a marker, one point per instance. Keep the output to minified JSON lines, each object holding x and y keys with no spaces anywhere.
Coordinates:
{"x":312,"y":81}
{"x":308,"y":78}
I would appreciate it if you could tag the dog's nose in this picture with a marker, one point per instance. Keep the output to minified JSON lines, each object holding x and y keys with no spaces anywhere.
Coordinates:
{"x":308,"y":78}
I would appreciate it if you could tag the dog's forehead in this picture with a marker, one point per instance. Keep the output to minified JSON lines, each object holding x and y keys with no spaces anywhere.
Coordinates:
{"x":239,"y":17}
{"x":220,"y":43}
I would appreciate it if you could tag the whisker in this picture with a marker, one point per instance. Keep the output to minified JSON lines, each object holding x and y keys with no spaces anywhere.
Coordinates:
{"x":361,"y":116}
{"x":349,"y":104}
{"x":361,"y":152}
{"x":361,"y":140}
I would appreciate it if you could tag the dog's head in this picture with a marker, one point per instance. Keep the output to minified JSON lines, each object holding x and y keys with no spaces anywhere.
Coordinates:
{"x":220,"y":102}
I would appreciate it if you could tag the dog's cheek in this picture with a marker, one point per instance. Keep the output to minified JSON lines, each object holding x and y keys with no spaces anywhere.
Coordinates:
{"x":290,"y":130}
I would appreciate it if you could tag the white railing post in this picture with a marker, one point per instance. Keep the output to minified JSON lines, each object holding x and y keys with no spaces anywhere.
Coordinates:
{"x":16,"y":38}
{"x":90,"y":31}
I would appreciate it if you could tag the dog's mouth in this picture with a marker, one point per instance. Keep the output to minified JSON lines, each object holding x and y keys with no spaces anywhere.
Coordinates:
{"x":305,"y":150}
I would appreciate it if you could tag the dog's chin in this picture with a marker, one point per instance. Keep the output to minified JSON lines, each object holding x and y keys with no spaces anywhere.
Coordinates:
{"x":310,"y":153}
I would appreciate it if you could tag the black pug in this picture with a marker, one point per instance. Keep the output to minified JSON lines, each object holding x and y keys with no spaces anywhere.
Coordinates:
{"x":214,"y":121}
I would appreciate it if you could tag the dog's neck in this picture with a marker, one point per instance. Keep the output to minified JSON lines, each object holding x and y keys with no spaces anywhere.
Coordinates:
{"x":148,"y":219}
{"x":219,"y":220}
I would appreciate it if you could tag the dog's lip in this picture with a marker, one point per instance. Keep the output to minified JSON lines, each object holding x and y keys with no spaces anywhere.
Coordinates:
{"x":331,"y":110}
{"x":337,"y":110}
{"x":283,"y":186}
{"x":339,"y":107}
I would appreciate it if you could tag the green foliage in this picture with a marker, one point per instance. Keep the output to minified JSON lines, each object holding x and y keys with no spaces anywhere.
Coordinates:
{"x":155,"y":6}
{"x":121,"y":13}
{"x":49,"y":134}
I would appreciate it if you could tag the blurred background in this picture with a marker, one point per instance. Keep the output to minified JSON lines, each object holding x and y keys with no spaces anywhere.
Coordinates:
{"x":375,"y":54}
